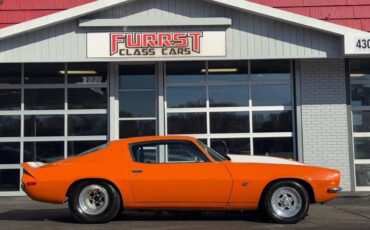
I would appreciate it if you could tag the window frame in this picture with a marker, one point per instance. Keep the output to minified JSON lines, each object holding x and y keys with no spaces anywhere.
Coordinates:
{"x":165,"y":161}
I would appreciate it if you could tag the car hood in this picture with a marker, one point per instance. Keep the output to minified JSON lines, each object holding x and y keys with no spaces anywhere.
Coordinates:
{"x":261,"y":159}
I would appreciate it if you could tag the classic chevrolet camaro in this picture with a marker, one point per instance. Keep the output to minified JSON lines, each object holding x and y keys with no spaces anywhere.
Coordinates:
{"x":177,"y":174}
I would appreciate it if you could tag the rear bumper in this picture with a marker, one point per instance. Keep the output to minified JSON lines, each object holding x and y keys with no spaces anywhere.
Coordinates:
{"x":334,"y":190}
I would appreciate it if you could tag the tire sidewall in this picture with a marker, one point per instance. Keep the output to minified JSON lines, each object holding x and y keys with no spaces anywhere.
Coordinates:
{"x":113,"y":207}
{"x":305,"y":202}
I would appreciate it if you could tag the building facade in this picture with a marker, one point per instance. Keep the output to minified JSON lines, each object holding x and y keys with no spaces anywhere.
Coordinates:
{"x":261,"y":80}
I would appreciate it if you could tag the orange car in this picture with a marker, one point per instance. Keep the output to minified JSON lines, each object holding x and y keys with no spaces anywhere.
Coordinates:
{"x":177,"y":173}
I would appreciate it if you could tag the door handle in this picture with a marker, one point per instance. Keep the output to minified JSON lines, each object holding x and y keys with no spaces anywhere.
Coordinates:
{"x":137,"y":171}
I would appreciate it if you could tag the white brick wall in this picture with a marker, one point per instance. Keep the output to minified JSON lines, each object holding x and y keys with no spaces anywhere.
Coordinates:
{"x":324,"y":116}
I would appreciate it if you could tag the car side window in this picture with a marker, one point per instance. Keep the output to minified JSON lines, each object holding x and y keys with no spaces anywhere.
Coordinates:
{"x":167,"y":152}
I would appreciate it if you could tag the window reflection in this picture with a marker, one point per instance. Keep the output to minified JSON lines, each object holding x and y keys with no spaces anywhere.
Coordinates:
{"x":10,"y":73}
{"x":45,"y":73}
{"x":228,"y":70}
{"x":360,"y":69}
{"x":137,"y":128}
{"x":77,"y":147}
{"x":180,"y":72}
{"x":362,"y":147}
{"x":44,"y":125}
{"x":272,"y":121}
{"x":361,"y":121}
{"x":9,"y":180}
{"x":137,"y":104}
{"x":87,"y":73}
{"x":186,"y":97}
{"x":10,"y":99}
{"x":271,"y":95}
{"x":232,"y":146}
{"x":360,"y":94}
{"x":137,"y":77}
{"x":10,"y":126}
{"x":362,"y":175}
{"x":228,"y":96}
{"x":186,"y":123}
{"x":270,"y":70}
{"x":43,"y":151}
{"x":277,"y":147}
{"x":87,"y":125}
{"x":44,"y":99}
{"x":230,"y":122}
{"x":10,"y":153}
{"x":87,"y":98}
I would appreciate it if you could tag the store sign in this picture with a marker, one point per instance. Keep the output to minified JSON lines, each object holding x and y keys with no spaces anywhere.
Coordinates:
{"x":357,"y":44}
{"x":156,"y":44}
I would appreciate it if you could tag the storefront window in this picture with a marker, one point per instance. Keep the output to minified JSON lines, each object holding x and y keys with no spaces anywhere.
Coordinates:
{"x":56,"y":99}
{"x":225,"y":99}
{"x":360,"y":96}
{"x":137,"y":100}
{"x":77,"y":147}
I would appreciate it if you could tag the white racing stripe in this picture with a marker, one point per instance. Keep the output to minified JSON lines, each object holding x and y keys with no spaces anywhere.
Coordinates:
{"x":35,"y":164}
{"x":261,"y":159}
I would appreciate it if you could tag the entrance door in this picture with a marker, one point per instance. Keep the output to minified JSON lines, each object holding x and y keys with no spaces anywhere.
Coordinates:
{"x":137,"y":100}
{"x":177,"y":173}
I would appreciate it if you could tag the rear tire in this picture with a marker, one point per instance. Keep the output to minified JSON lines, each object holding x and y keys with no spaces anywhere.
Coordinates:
{"x":94,"y":201}
{"x":286,"y":202}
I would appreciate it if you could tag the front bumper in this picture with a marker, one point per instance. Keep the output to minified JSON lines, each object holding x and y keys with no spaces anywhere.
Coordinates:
{"x":334,"y":190}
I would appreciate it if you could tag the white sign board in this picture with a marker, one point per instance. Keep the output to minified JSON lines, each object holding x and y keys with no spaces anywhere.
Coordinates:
{"x":357,"y":44}
{"x":156,"y":44}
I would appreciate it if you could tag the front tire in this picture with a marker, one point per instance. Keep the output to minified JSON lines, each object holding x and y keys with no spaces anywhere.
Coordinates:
{"x":94,"y":202}
{"x":286,"y":202}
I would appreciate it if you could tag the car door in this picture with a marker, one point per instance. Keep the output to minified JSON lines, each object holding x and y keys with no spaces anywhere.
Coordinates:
{"x":177,"y":173}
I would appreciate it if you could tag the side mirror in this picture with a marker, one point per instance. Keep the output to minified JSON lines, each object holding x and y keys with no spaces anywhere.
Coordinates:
{"x":220,"y":147}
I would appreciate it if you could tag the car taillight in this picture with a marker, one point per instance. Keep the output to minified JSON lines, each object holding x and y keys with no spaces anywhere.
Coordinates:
{"x":32,"y":183}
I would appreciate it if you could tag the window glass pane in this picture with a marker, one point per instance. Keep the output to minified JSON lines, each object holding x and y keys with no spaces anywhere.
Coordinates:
{"x":270,"y":70}
{"x":87,"y":125}
{"x":137,"y":104}
{"x":362,"y":147}
{"x":186,"y":123}
{"x":10,"y":126}
{"x":228,"y":70}
{"x":44,"y":99}
{"x":87,"y":98}
{"x":52,"y":73}
{"x":230,"y":122}
{"x":178,"y":72}
{"x":186,"y":97}
{"x":361,"y":121}
{"x":362,"y":175}
{"x":10,"y":73}
{"x":232,"y":146}
{"x":184,"y":152}
{"x":228,"y":96}
{"x":137,"y":128}
{"x":10,"y":99}
{"x":277,"y":147}
{"x":146,"y":153}
{"x":87,"y":73}
{"x":9,"y":180}
{"x":137,"y":77}
{"x":43,"y":125}
{"x":360,"y":69}
{"x":10,"y":153}
{"x":272,"y":121}
{"x":271,"y":95}
{"x":43,"y":151}
{"x":77,"y":147}
{"x":360,"y":94}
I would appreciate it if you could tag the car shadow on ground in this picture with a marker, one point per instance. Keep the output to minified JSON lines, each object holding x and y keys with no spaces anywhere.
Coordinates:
{"x":63,"y":216}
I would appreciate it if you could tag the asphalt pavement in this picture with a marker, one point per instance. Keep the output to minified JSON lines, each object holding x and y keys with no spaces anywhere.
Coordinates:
{"x":347,"y":212}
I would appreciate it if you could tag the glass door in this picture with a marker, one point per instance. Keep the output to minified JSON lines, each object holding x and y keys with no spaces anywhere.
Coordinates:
{"x":137,"y":100}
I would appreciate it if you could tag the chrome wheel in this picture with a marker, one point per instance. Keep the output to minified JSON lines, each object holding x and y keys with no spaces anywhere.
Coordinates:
{"x":93,"y":199}
{"x":286,"y":202}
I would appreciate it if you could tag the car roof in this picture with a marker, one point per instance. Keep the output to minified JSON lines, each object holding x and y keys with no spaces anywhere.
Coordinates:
{"x":156,"y":138}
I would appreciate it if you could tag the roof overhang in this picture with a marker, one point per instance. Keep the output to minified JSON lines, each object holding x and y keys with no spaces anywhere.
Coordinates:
{"x":351,"y":37}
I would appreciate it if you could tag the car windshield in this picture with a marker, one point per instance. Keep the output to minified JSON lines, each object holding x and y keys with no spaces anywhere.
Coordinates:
{"x":215,"y":155}
{"x":93,"y":149}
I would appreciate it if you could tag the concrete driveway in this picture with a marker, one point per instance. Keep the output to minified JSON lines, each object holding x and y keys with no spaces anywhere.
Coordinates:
{"x":23,"y":213}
